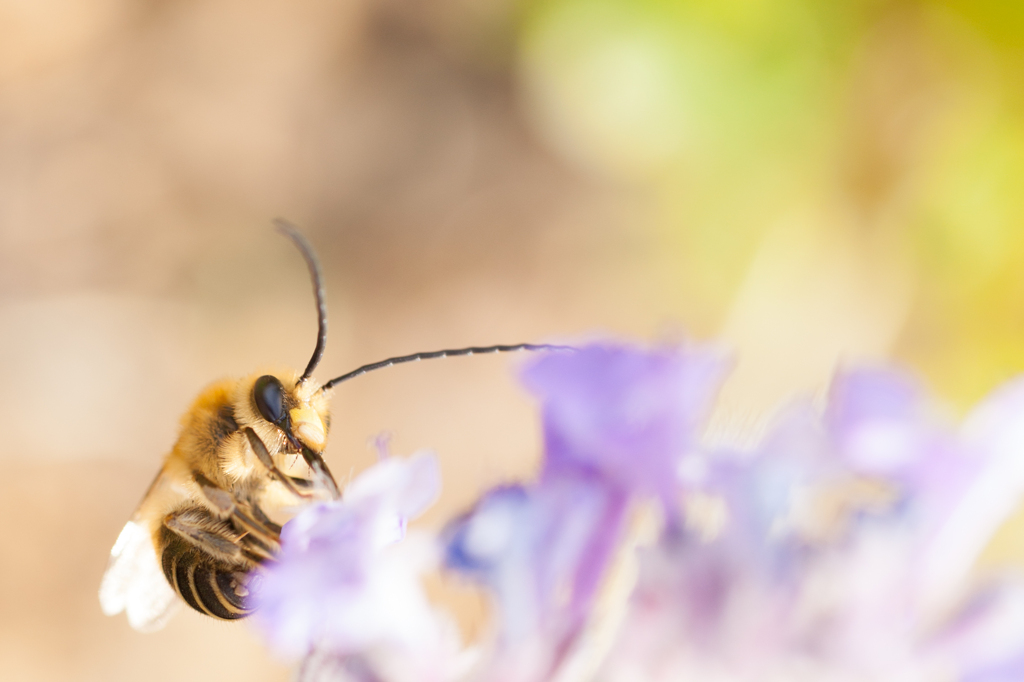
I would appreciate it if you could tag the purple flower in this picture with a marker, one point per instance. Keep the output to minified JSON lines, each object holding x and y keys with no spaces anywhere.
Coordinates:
{"x":626,"y":414}
{"x":345,"y":587}
{"x":541,"y":549}
{"x":883,"y":424}
{"x":845,"y":551}
{"x":617,"y":423}
{"x":880,"y":419}
{"x":839,"y":547}
{"x":985,"y":493}
{"x":984,"y":639}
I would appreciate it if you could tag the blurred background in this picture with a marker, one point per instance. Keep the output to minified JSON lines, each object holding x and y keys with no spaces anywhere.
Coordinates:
{"x":812,"y":182}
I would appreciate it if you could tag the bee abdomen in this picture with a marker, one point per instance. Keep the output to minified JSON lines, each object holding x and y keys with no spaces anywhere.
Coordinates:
{"x":209,"y":586}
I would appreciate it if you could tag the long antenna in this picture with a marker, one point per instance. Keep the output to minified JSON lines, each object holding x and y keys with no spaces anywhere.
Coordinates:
{"x":455,"y":352}
{"x":290,"y":231}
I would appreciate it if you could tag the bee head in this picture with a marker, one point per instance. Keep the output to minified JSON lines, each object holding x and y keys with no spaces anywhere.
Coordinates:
{"x":299,"y":410}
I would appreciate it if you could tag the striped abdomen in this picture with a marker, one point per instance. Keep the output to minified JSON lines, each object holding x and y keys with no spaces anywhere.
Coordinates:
{"x":206,"y":584}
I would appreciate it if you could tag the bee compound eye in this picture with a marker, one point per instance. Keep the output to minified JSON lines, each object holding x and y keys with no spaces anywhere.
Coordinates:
{"x":268,"y":393}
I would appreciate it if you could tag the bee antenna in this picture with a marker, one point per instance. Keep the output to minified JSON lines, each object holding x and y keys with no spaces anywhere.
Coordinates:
{"x":292,"y":232}
{"x":455,"y":352}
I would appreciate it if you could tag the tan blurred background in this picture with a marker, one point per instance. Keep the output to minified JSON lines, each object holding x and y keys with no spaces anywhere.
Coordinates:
{"x":812,"y":181}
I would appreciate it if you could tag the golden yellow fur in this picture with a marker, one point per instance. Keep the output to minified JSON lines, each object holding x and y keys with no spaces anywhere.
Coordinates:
{"x":211,"y":442}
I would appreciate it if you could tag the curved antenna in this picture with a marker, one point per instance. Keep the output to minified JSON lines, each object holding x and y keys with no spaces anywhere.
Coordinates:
{"x":292,"y":232}
{"x":455,"y":352}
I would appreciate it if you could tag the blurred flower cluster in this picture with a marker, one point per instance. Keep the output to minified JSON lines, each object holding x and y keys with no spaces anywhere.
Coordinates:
{"x":840,"y":546}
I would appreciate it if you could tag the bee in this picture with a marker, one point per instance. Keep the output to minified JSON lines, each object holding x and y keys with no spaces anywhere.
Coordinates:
{"x":249,"y":456}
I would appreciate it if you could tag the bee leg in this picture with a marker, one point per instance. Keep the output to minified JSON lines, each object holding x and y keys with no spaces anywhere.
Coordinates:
{"x":201,"y":529}
{"x":304,"y":485}
{"x":258,"y":538}
{"x":263,"y":455}
{"x":205,"y":562}
{"x":261,"y":516}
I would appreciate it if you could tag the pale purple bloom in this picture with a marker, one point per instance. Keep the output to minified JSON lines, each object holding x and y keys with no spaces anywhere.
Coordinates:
{"x":848,"y":538}
{"x":626,"y":414}
{"x":617,"y":422}
{"x":880,"y":420}
{"x":541,"y":550}
{"x":993,"y":433}
{"x":991,"y":489}
{"x":884,"y":424}
{"x":984,"y":640}
{"x":838,"y":547}
{"x":345,"y":586}
{"x":1006,"y":671}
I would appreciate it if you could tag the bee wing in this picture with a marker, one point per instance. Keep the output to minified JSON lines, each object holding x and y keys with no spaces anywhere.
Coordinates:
{"x":134,"y":582}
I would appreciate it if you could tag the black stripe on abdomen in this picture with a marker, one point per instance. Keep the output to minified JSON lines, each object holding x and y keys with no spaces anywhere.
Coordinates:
{"x":209,"y":587}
